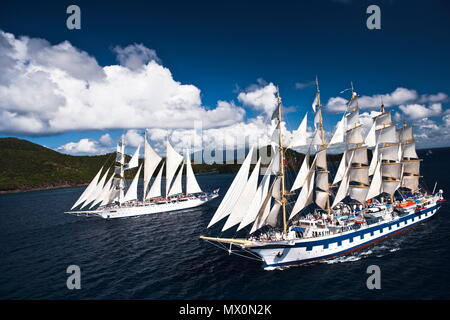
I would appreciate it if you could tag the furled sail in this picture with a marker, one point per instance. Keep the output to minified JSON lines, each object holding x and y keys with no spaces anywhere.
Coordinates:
{"x":173,"y":160}
{"x":132,"y":190}
{"x":87,"y":192}
{"x":155,"y":189}
{"x":134,"y":161}
{"x":243,"y":202}
{"x":191,"y":181}
{"x":236,"y":188}
{"x":151,"y":161}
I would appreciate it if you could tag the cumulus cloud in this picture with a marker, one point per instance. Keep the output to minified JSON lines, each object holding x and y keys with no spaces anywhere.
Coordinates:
{"x":135,"y":56}
{"x":399,"y":96}
{"x":83,"y":146}
{"x":133,"y":138}
{"x":58,"y":88}
{"x":261,"y":98}
{"x":418,"y":111}
{"x":106,"y":139}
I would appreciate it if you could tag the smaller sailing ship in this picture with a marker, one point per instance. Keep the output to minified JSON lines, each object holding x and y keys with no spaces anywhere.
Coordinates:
{"x":113,"y":200}
{"x":371,"y":202}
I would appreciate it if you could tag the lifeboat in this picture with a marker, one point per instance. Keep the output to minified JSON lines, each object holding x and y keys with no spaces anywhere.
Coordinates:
{"x":405,"y":204}
{"x":359,"y":221}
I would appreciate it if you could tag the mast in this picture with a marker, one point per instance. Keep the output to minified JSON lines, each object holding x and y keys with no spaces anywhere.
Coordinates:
{"x":321,"y":167}
{"x":119,"y":184}
{"x":282,"y":163}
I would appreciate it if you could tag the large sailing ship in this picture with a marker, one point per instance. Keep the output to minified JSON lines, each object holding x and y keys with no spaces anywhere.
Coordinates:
{"x":114,"y":200}
{"x":365,"y":203}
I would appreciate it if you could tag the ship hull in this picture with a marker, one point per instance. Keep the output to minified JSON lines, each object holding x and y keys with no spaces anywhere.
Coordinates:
{"x":285,"y":253}
{"x":151,"y":208}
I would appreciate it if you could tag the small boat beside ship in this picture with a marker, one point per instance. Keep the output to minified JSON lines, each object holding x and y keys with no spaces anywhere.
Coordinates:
{"x":371,"y":201}
{"x":109,"y":198}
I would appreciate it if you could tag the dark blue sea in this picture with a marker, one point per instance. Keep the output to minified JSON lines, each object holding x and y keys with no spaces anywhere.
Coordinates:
{"x":161,"y":256}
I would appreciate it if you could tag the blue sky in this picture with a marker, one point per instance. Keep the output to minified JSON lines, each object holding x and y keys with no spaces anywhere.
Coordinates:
{"x":225,"y":48}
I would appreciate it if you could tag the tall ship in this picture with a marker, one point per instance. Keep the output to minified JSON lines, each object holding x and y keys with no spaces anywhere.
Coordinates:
{"x":107,"y":196}
{"x":314,"y":219}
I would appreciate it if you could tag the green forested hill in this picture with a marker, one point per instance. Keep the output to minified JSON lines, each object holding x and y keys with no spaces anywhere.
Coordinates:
{"x":25,"y":165}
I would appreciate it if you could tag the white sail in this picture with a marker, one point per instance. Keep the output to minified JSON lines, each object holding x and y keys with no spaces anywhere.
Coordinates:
{"x":191,"y":181}
{"x":262,"y":216}
{"x":321,"y":159}
{"x":411,"y":167}
{"x":151,"y":161}
{"x":409,"y":150}
{"x":134,"y":161}
{"x":338,"y":136}
{"x":359,"y":174}
{"x":243,"y":202}
{"x":359,"y":155}
{"x":322,"y":180}
{"x":375,"y":184}
{"x":387,"y":135}
{"x":389,"y":186}
{"x":317,"y":117}
{"x":173,"y":160}
{"x":155,"y":189}
{"x":110,"y":196}
{"x":305,"y":196}
{"x":391,"y":170}
{"x":322,"y":199}
{"x":257,"y":201}
{"x":233,"y":192}
{"x":354,"y":136}
{"x":302,"y":174}
{"x":132,"y":190}
{"x":315,"y":102}
{"x":299,"y":136}
{"x":177,"y":187}
{"x":411,"y":182}
{"x":89,"y":189}
{"x":352,"y":119}
{"x":389,"y":152}
{"x":383,"y":120}
{"x":371,"y":140}
{"x":97,"y":191}
{"x":341,"y":169}
{"x":317,"y":139}
{"x":374,"y":161}
{"x":407,"y":134}
{"x":343,"y":187}
{"x":104,"y":193}
{"x":358,"y":193}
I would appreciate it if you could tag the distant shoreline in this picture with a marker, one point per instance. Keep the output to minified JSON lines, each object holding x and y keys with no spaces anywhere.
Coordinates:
{"x":43,"y":188}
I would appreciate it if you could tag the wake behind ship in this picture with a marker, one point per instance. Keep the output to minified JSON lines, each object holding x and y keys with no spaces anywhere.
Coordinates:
{"x":113,"y":202}
{"x":370,"y":201}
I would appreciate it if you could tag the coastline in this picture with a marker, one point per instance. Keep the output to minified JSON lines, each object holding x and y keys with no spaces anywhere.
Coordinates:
{"x":67,"y":185}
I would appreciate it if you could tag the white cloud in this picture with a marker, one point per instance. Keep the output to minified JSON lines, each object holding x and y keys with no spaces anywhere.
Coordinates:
{"x":106,"y":139}
{"x":418,"y":111}
{"x":135,"y":56}
{"x":133,"y":138}
{"x":84,"y":146}
{"x":399,"y":96}
{"x":260,"y":98}
{"x":58,"y":88}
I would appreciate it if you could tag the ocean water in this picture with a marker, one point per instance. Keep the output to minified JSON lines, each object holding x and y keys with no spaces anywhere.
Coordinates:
{"x":161,"y":257}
